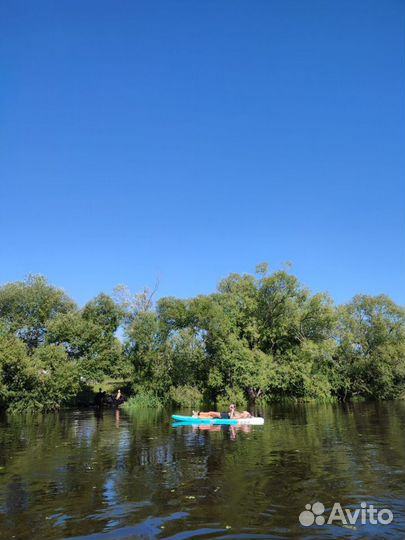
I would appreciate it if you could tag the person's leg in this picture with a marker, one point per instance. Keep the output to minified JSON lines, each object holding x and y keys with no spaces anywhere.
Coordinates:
{"x":241,"y":415}
{"x":210,"y":414}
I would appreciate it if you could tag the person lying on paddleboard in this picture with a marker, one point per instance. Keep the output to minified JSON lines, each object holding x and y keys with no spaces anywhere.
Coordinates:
{"x":233,"y":414}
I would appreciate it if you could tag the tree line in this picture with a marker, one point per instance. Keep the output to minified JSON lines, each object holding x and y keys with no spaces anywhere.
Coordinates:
{"x":258,"y":338}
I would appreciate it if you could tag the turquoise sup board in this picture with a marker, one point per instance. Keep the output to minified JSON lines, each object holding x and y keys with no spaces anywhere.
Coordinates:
{"x":254,"y":421}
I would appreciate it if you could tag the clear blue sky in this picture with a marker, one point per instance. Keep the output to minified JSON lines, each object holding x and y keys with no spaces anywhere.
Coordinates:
{"x":191,"y":139}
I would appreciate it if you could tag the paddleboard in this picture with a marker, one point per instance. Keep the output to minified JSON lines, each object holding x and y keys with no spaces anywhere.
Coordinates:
{"x":254,"y":421}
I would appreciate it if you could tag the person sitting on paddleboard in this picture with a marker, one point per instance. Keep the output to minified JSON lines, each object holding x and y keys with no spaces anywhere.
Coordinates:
{"x":233,"y":414}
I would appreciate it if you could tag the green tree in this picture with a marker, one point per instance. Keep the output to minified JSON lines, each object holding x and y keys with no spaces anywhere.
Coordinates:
{"x":370,"y":358}
{"x":144,"y":350}
{"x":18,"y":378}
{"x":59,"y":377}
{"x":27,"y":306}
{"x":105,"y":313}
{"x":97,"y":351}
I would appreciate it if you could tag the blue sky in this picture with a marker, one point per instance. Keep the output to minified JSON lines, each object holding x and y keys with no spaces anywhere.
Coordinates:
{"x":188,"y":140}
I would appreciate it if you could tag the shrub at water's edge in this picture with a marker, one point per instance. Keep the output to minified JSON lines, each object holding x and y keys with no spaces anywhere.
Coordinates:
{"x":143,"y":400}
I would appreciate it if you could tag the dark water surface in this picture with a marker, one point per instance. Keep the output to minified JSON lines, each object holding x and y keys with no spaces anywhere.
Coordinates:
{"x":119,"y":476}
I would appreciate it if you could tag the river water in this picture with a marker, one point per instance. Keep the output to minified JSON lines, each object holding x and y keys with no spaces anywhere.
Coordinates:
{"x":117,"y":476}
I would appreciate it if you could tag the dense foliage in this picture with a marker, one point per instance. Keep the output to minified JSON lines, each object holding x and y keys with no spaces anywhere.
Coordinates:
{"x":49,"y":349}
{"x":259,"y":337}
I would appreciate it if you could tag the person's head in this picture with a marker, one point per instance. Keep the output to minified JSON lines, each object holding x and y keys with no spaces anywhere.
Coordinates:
{"x":232,"y":407}
{"x":99,"y":390}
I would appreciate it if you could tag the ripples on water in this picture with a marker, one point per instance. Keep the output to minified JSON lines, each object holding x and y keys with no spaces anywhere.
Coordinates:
{"x":85,"y":476}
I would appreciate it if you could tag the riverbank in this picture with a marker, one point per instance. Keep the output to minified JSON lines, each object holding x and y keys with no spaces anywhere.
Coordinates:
{"x":260,"y":338}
